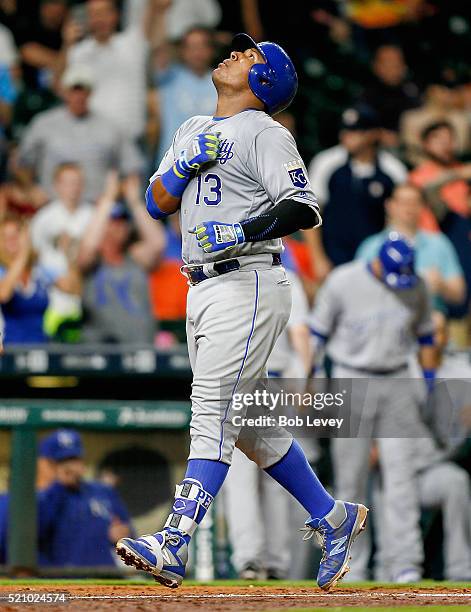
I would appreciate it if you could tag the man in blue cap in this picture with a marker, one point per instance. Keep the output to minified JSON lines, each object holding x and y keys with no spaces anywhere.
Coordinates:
{"x":79,"y":520}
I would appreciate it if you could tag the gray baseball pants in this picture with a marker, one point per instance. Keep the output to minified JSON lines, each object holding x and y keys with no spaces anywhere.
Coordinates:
{"x":383,"y":408}
{"x":233,"y":321}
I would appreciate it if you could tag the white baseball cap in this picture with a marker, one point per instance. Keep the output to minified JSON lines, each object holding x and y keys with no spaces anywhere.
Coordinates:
{"x":78,"y":75}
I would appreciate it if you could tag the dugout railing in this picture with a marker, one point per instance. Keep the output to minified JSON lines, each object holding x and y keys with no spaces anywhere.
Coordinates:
{"x":94,"y":388}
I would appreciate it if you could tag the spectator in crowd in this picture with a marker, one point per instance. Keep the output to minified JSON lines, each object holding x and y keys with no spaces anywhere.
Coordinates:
{"x":14,"y":12}
{"x":8,"y":91}
{"x":116,"y":267}
{"x":97,"y":514}
{"x":168,"y":286}
{"x":8,"y":52}
{"x":390,"y":92}
{"x":185,"y":88}
{"x":436,"y":258}
{"x":380,"y":21}
{"x":446,"y":183}
{"x":74,"y":133}
{"x":444,"y":179}
{"x":438,"y":107}
{"x":118,"y":61}
{"x":352,"y":181}
{"x":182,"y":15}
{"x":8,"y":94}
{"x":25,"y":285}
{"x":19,"y":196}
{"x":56,"y":232}
{"x":40,"y":43}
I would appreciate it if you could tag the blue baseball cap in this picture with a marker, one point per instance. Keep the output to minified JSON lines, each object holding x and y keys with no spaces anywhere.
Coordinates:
{"x":61,"y":444}
{"x":119,"y":211}
{"x":360,"y":117}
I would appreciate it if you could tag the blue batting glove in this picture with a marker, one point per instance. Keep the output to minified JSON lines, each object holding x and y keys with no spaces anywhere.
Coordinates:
{"x":203,"y":149}
{"x":215,"y":236}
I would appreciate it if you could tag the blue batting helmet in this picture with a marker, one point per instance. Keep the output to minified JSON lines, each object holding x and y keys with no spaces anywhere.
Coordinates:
{"x":397,"y":258}
{"x":274,"y":83}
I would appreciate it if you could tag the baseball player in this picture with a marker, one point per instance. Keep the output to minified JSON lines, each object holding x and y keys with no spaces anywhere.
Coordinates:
{"x":243,"y":168}
{"x":369,"y":332}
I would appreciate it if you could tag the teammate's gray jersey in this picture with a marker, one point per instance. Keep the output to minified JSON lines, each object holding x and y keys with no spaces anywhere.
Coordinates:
{"x":283,"y":359}
{"x":258,"y":166}
{"x":369,"y":325}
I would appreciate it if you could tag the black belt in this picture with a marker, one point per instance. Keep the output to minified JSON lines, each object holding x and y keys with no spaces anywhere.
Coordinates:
{"x":373,"y":371}
{"x":196,"y":274}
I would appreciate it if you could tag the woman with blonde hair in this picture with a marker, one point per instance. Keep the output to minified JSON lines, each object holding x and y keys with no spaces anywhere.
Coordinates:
{"x":24,"y":285}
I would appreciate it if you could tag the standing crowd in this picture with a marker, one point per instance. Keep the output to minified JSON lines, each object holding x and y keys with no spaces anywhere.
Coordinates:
{"x":90,"y":95}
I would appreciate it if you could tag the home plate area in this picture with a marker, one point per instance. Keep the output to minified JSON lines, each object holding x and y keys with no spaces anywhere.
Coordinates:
{"x":236,"y":598}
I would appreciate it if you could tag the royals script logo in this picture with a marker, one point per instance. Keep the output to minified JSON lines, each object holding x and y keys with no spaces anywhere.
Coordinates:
{"x":225,"y":151}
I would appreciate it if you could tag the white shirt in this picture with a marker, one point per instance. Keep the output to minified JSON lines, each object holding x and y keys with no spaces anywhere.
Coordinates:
{"x":8,"y":52}
{"x":47,"y":226}
{"x":181,"y":16}
{"x":119,"y":70}
{"x":53,"y":221}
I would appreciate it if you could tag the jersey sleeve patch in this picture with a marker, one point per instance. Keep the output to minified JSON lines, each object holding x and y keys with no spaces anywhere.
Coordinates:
{"x":296,"y":174}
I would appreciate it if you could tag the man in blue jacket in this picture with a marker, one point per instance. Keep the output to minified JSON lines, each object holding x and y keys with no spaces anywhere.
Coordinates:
{"x":79,"y":520}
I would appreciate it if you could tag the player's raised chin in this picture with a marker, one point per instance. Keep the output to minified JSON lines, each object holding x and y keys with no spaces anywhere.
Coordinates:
{"x":235,"y":69}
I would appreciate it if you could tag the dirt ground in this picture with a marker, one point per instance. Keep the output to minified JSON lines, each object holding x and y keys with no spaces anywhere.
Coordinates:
{"x":217,"y":599}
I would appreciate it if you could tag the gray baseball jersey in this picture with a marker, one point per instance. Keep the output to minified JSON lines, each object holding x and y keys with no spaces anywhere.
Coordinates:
{"x":258,"y":166}
{"x":369,"y":325}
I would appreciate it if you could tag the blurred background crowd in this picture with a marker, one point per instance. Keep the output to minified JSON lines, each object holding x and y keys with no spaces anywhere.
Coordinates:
{"x":91,"y":93}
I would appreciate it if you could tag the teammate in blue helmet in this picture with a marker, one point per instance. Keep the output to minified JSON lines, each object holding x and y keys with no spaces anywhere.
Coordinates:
{"x":397,"y":257}
{"x":274,"y":83}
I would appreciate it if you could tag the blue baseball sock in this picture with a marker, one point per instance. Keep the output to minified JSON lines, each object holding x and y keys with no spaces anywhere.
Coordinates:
{"x":195,"y":493}
{"x":294,"y":473}
{"x":209,"y":473}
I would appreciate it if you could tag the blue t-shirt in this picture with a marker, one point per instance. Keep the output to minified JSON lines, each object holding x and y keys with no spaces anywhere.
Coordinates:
{"x":8,"y":91}
{"x":23,"y":314}
{"x":182,"y":94}
{"x":74,"y":524}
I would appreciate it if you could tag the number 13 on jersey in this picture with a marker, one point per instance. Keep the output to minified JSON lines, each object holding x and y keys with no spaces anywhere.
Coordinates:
{"x":209,"y":189}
